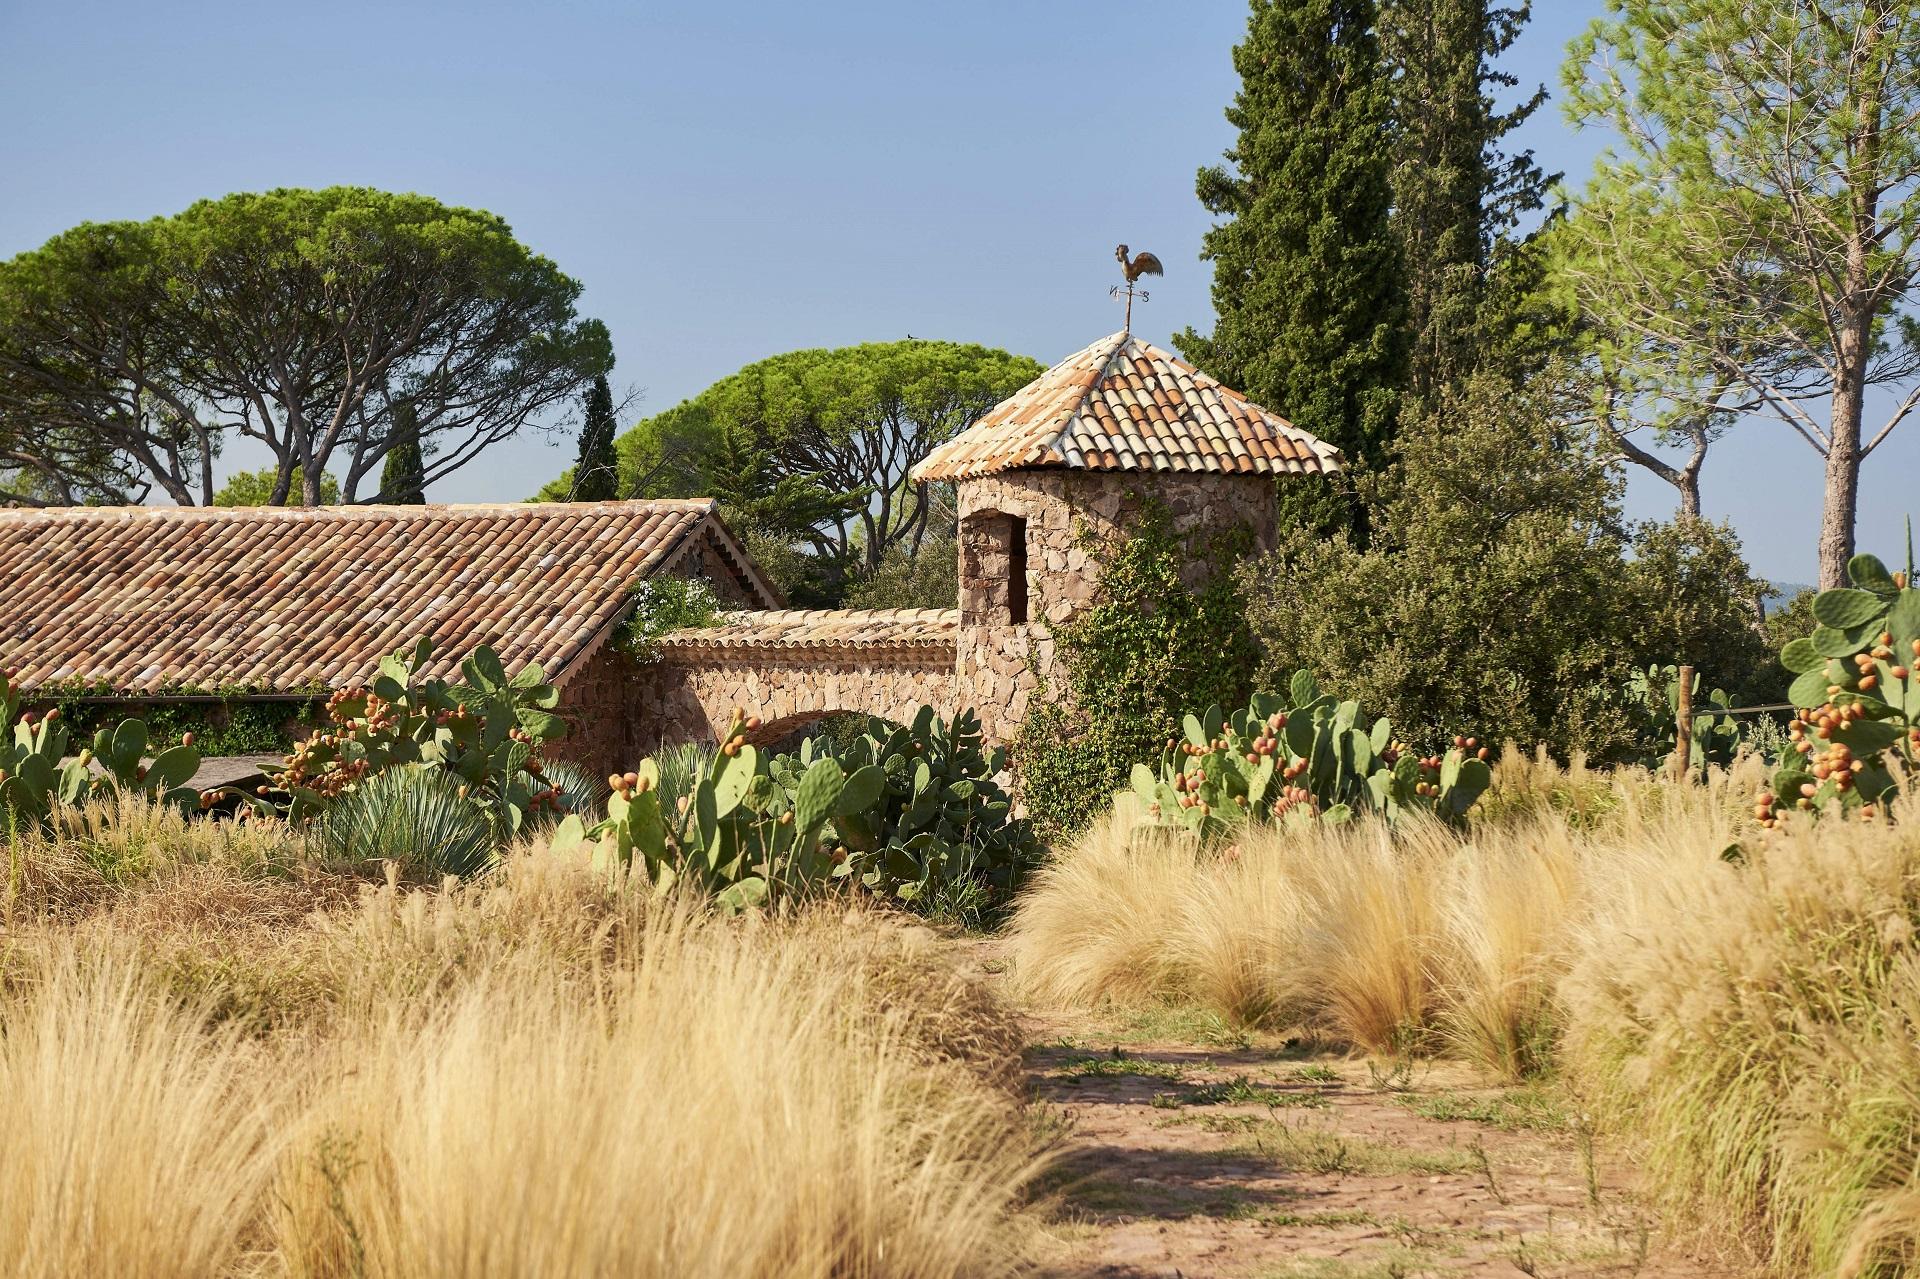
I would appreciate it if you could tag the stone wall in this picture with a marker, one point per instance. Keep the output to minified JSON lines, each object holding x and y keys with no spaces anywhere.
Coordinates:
{"x":596,"y":701}
{"x":604,"y":701}
{"x":692,"y":696}
{"x":1067,"y":517}
{"x":619,"y":710}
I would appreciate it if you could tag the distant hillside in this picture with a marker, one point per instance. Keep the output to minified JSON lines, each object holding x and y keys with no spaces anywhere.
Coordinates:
{"x":1777,"y":598}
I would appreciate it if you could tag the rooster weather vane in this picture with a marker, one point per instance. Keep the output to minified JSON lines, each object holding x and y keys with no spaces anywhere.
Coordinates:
{"x":1141,"y":263}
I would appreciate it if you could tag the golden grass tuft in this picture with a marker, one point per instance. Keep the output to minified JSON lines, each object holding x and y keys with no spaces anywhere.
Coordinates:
{"x":133,"y":1139}
{"x":214,"y":1062}
{"x":1741,"y":1006}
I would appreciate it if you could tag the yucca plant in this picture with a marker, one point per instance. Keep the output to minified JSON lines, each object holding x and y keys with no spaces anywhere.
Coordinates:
{"x":414,"y":816}
{"x":579,"y":790}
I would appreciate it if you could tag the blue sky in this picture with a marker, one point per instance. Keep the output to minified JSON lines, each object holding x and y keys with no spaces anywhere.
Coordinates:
{"x":731,"y":181}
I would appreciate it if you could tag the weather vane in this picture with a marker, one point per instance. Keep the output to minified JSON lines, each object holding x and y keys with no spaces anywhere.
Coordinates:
{"x":1142,"y":263}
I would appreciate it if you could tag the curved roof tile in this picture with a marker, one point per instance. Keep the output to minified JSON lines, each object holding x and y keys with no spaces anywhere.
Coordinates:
{"x":135,"y":600}
{"x":1123,"y":404}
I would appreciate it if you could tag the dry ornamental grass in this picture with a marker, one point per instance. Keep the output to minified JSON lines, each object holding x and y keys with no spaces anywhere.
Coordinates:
{"x":1742,"y":1005}
{"x":220,"y":1060}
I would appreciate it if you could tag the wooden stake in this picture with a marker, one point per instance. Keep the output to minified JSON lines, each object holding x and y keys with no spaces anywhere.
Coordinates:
{"x":1683,"y":725}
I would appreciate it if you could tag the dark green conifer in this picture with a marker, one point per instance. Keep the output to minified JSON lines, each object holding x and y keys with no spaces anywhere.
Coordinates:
{"x":596,"y":475}
{"x":1307,"y":289}
{"x":403,"y":477}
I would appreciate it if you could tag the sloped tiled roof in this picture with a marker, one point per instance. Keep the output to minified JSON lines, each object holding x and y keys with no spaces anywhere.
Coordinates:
{"x":868,"y":630}
{"x":271,"y":600}
{"x":1125,"y":405}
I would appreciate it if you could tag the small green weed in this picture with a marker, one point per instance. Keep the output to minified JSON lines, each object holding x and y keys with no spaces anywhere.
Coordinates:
{"x":1240,"y":1091}
{"x":1316,"y":1074}
{"x":1317,"y":1149}
{"x":1528,"y":1109}
{"x":1119,"y":1065}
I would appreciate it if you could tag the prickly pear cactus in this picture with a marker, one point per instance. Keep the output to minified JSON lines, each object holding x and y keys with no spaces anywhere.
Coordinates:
{"x":744,"y":832}
{"x":486,"y":730}
{"x":126,"y":767}
{"x":899,"y":811}
{"x":1857,"y":687}
{"x":1302,"y":758}
{"x":35,"y":772}
{"x":943,"y":817}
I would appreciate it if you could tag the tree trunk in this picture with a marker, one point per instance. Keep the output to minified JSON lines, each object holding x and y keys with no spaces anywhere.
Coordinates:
{"x":1843,"y":456}
{"x":1689,"y":486}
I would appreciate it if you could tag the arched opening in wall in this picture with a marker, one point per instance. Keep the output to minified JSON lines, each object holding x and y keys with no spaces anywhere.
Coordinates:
{"x":836,"y":729}
{"x":993,"y":569}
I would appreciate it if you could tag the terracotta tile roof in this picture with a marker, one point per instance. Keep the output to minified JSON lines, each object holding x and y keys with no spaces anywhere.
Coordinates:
{"x":868,"y":630}
{"x":1125,"y":405}
{"x":272,"y":600}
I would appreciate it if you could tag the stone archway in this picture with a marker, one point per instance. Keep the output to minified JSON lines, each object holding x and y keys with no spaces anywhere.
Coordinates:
{"x":789,"y":668}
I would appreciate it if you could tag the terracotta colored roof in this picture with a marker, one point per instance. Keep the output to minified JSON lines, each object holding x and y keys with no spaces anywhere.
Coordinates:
{"x":145,"y":600}
{"x":869,"y":630}
{"x":1125,"y":405}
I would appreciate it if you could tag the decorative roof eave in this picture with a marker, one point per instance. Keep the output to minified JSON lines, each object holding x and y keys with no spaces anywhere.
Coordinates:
{"x":838,"y":633}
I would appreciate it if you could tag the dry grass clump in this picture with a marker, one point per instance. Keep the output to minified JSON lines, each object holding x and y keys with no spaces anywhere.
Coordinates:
{"x":222,"y":1065}
{"x":1753,"y":1024}
{"x":1388,"y":938}
{"x":134,"y":1140}
{"x":1744,"y":1006}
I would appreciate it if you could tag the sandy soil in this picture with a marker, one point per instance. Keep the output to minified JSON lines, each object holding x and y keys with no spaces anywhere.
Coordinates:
{"x":1187,"y":1150}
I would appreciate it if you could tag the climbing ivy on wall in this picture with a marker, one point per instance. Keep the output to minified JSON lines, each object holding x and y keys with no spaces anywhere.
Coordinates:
{"x":1147,"y":649}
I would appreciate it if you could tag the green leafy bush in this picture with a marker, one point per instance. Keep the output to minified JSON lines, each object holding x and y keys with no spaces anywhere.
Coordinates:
{"x":1503,"y":590}
{"x":1300,"y":758}
{"x":662,"y":605}
{"x":1857,"y":684}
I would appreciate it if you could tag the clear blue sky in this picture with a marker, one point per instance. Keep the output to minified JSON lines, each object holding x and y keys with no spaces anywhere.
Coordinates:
{"x":734,"y":180}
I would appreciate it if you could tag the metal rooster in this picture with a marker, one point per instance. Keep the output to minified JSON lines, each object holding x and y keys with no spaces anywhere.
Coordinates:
{"x":1142,"y":263}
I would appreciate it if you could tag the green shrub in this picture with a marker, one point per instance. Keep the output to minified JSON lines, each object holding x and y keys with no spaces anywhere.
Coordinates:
{"x":662,"y":605}
{"x":1502,"y":593}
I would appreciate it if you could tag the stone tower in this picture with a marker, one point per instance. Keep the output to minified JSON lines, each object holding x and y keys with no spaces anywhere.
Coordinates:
{"x":1069,"y":461}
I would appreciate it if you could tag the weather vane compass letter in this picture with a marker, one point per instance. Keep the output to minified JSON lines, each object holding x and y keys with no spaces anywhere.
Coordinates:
{"x":1141,"y":263}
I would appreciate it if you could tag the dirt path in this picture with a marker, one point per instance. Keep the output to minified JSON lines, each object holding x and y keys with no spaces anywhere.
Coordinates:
{"x":1191,"y":1151}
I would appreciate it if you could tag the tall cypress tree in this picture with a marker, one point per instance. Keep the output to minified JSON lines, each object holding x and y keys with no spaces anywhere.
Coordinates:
{"x":1307,"y":282}
{"x":403,"y":476}
{"x":596,"y":475}
{"x":1457,"y":197}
